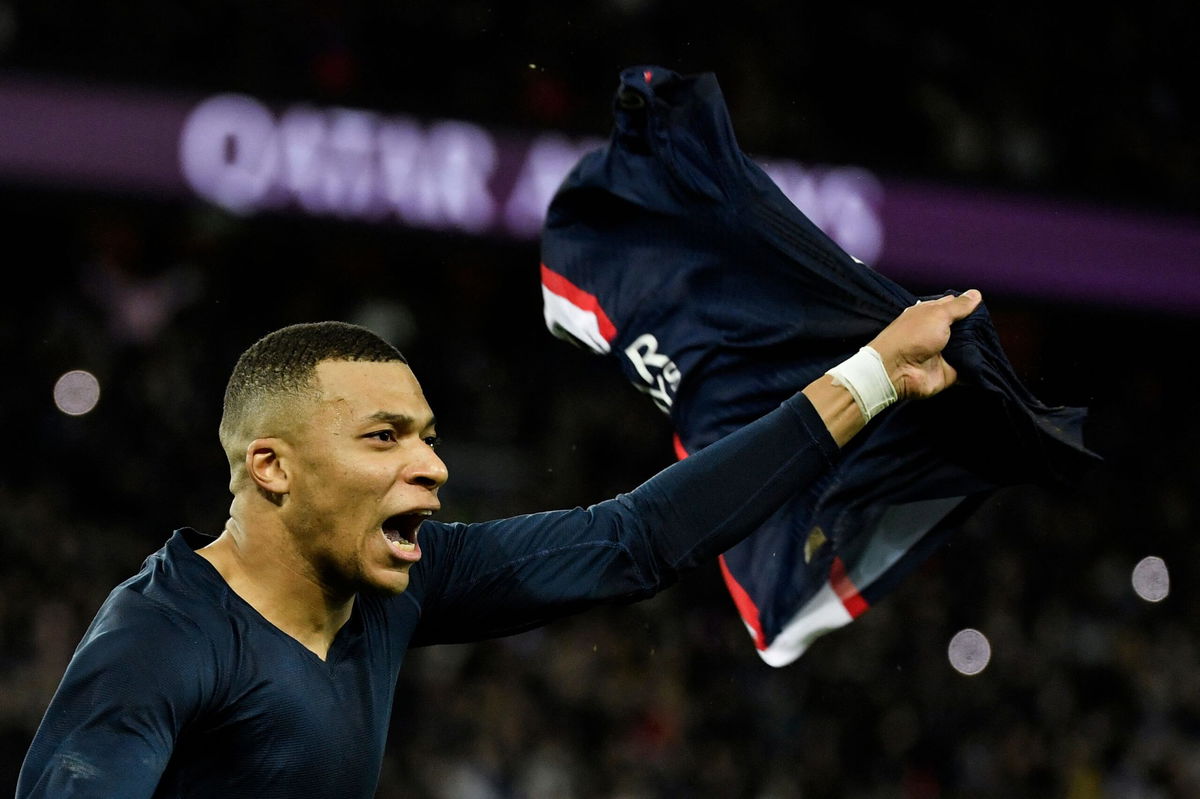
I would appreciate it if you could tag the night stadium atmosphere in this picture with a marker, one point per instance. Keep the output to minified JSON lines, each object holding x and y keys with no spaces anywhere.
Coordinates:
{"x":610,"y":400}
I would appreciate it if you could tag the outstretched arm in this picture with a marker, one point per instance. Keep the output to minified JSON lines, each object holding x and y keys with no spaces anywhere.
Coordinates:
{"x":501,"y":577}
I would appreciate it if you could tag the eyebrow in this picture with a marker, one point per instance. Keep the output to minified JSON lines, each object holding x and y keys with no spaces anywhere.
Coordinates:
{"x":401,"y":421}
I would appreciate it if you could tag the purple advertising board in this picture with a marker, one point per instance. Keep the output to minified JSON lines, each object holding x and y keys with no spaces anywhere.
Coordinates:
{"x":250,"y":156}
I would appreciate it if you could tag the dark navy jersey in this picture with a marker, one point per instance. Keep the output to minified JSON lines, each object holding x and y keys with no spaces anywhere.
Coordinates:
{"x":672,"y":251}
{"x":180,"y":688}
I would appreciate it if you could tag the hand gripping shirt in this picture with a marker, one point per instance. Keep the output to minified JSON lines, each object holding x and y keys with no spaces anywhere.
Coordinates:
{"x":180,"y":688}
{"x":673,"y":252}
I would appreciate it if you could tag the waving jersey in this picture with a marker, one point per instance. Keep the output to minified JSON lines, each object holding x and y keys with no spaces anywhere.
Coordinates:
{"x":672,"y":251}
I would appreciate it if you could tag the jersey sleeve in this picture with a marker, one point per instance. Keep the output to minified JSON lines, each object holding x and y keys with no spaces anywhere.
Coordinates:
{"x":506,"y":576}
{"x":135,"y":679}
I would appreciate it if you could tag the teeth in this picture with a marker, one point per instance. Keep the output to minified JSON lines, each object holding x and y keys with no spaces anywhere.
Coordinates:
{"x":399,"y":543}
{"x":398,"y":540}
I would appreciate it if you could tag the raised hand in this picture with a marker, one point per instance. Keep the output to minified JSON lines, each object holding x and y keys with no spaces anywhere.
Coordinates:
{"x":911,"y":346}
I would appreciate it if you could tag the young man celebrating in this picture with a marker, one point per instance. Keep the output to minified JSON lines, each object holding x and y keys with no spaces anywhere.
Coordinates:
{"x":263,"y":663}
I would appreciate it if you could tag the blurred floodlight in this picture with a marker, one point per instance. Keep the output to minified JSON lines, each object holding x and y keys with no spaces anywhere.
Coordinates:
{"x":76,"y":392}
{"x":1151,"y":580}
{"x":969,"y":651}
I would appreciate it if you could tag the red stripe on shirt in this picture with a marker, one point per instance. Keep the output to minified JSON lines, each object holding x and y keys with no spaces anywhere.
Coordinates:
{"x":680,"y":452}
{"x":580,"y":299}
{"x":846,"y":590}
{"x":745,"y":605}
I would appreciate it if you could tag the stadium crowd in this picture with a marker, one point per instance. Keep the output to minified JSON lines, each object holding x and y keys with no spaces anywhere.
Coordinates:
{"x":1091,"y":691}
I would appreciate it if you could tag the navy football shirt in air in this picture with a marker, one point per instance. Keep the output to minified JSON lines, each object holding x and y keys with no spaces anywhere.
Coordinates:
{"x":672,"y":251}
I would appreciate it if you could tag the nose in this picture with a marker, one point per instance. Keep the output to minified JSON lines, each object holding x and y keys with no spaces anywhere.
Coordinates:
{"x":427,"y":468}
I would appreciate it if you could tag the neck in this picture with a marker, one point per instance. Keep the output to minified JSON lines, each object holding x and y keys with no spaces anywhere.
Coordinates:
{"x":284,"y":592}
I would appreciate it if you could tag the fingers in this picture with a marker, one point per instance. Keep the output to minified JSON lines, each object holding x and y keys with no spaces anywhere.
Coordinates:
{"x":961,"y":306}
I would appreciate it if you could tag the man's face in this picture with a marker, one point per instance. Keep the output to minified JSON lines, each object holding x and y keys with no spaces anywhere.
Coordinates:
{"x":363,"y":474}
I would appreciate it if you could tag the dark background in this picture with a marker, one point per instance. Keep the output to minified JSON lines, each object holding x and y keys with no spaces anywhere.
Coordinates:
{"x":1091,"y":691}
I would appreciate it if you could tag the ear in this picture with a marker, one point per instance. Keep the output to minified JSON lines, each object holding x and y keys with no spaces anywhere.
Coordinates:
{"x":265,"y":464}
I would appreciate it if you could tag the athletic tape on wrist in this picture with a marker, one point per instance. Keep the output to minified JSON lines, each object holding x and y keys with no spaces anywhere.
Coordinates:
{"x":867,"y":380}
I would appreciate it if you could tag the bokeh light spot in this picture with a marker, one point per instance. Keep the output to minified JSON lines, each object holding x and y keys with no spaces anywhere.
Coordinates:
{"x":1151,"y":580}
{"x":969,"y":651}
{"x":77,"y":392}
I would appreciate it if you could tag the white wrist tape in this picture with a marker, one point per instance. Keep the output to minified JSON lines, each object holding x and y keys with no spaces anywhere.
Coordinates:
{"x":867,"y":381}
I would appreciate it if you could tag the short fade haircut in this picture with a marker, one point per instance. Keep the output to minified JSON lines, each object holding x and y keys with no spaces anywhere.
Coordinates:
{"x":281,"y":367}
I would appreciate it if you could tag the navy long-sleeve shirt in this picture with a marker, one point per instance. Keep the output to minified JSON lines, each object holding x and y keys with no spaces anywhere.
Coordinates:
{"x":180,"y":688}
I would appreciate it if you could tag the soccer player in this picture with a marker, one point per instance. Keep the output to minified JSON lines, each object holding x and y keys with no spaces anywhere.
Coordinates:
{"x":263,"y":662}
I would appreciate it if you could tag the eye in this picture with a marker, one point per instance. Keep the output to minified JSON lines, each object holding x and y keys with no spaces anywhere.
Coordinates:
{"x":383,"y":435}
{"x":432,"y":441}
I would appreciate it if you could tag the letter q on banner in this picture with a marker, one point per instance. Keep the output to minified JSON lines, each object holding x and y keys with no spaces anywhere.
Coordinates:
{"x":228,"y":154}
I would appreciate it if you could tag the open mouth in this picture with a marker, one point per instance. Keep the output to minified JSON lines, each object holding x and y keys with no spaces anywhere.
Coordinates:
{"x":401,"y":530}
